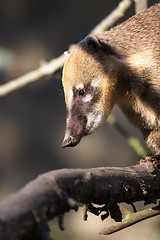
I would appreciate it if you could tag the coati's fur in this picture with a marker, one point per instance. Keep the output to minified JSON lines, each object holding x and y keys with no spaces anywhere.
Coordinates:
{"x":120,"y":66}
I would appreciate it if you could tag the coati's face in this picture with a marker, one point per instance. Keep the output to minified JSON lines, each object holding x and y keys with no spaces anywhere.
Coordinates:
{"x":87,"y":95}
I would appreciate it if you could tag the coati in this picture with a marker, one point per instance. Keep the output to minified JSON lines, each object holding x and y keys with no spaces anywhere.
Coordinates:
{"x":120,"y":66}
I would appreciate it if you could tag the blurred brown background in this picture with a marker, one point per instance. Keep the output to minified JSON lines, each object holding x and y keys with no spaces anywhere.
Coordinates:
{"x":32,"y":119}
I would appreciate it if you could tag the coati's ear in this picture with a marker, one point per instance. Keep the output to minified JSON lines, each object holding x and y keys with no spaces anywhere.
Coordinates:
{"x":95,"y":43}
{"x":91,"y":40}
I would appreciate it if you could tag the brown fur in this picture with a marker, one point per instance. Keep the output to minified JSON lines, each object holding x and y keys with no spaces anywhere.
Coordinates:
{"x":127,"y":60}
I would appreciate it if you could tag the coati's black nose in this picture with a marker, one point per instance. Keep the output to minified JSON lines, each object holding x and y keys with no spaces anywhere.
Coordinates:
{"x":69,"y":142}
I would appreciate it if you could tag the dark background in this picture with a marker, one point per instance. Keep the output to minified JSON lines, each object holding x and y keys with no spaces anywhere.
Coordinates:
{"x":32,"y":119}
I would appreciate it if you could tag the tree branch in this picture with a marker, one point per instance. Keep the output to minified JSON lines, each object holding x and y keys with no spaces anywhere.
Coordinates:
{"x":57,"y":63}
{"x":56,"y":192}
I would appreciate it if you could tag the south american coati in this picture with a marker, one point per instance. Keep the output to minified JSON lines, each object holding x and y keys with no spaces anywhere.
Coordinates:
{"x":120,"y":66}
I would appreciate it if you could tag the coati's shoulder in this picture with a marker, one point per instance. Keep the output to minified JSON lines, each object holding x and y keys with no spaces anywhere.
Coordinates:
{"x":139,"y":33}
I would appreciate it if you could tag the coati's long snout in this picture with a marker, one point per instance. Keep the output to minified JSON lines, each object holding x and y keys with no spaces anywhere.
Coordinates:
{"x":70,"y":142}
{"x":75,"y":126}
{"x":75,"y":130}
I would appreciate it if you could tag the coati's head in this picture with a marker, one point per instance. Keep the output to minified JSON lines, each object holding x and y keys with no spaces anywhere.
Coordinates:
{"x":88,"y":88}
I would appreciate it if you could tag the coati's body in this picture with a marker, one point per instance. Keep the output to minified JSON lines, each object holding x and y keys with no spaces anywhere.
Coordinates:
{"x":120,"y":66}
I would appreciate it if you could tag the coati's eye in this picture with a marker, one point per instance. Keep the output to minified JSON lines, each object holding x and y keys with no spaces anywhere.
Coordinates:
{"x":81,"y":92}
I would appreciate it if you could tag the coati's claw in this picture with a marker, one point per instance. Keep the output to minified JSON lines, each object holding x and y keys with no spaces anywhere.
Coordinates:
{"x":155,"y":159}
{"x":152,"y":157}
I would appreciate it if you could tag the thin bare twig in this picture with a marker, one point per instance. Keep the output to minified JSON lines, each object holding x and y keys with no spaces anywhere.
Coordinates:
{"x":131,"y":220}
{"x":57,"y":63}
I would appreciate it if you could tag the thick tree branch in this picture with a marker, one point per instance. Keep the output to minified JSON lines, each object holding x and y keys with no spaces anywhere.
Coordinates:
{"x":56,"y":192}
{"x":57,"y":63}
